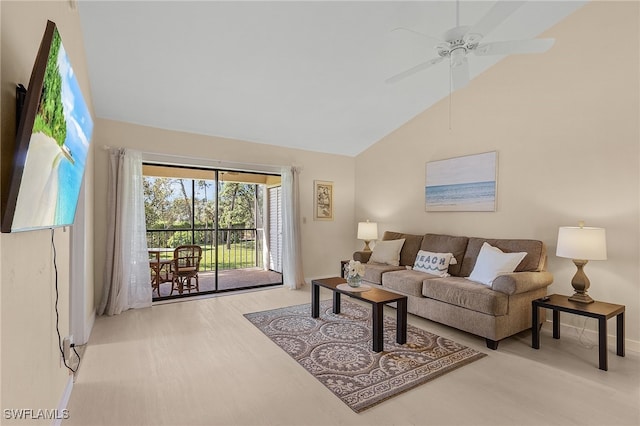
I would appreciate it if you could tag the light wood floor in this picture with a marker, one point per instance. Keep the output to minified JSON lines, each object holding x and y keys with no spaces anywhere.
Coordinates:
{"x":202,"y":363}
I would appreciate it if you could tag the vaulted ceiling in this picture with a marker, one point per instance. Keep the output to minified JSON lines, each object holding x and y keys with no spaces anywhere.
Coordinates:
{"x":308,"y":75}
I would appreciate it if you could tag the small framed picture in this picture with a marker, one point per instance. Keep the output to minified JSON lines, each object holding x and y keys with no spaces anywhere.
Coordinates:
{"x":323,"y":200}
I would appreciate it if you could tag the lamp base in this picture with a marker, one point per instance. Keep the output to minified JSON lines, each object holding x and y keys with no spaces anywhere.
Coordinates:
{"x":580,"y":284}
{"x":366,"y":245}
{"x":581,"y":298}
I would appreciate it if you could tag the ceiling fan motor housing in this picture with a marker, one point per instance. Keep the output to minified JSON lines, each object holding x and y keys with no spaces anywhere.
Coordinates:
{"x":458,"y":42}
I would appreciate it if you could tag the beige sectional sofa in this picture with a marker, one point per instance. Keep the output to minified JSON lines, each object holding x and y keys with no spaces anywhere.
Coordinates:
{"x":494,"y":311}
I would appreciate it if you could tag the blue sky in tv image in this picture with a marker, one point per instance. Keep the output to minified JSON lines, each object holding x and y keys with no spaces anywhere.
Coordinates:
{"x":79,"y":130}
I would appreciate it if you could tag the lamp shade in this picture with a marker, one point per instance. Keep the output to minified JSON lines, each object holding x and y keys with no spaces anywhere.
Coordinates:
{"x":367,"y":231}
{"x":585,"y":243}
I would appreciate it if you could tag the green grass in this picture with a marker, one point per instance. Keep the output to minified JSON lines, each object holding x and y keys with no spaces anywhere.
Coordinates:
{"x":238,"y":256}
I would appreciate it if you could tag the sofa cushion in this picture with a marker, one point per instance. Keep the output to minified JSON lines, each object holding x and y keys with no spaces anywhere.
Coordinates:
{"x":433,"y":263}
{"x":492,"y":262}
{"x":447,"y":244}
{"x":466,"y":294}
{"x":533,"y":261}
{"x":406,"y":281}
{"x":409,"y":249}
{"x":373,"y":271}
{"x":387,"y":252}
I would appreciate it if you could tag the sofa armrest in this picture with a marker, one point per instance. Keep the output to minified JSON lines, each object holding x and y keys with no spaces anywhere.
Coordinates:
{"x":362,"y":256}
{"x":522,"y":282}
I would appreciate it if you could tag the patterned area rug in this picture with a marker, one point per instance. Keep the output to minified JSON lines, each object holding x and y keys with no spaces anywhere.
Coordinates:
{"x":337,"y":350}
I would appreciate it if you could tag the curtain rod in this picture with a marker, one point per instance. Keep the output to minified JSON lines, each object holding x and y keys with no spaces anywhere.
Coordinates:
{"x":180,"y":160}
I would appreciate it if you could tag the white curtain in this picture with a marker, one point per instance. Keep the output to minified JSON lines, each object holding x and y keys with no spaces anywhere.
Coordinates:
{"x":127,"y":280}
{"x":292,"y":273}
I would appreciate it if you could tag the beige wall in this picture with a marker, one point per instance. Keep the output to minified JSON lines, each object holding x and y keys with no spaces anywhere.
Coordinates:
{"x":317,"y":236}
{"x":565,"y":125}
{"x":32,"y":376}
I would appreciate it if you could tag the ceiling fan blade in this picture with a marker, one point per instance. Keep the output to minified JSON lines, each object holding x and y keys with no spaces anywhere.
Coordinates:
{"x":409,"y":30}
{"x":460,"y":74}
{"x":539,"y":45}
{"x":498,"y":13}
{"x":413,"y":70}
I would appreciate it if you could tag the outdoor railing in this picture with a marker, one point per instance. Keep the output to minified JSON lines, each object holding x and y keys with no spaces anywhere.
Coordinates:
{"x":234,"y":248}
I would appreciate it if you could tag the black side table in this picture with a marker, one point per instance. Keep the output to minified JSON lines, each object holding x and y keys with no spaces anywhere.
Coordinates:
{"x":600,"y":310}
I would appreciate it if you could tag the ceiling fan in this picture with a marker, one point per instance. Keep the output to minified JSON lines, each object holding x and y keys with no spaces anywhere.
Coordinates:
{"x":459,"y":41}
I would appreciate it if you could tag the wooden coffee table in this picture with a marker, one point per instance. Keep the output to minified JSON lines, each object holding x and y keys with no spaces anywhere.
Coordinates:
{"x":377,"y":297}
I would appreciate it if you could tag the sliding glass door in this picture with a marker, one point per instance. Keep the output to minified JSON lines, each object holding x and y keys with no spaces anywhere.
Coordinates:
{"x":226,"y":213}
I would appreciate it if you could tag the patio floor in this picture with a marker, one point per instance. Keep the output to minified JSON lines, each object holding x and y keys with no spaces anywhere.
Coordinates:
{"x":229,"y":279}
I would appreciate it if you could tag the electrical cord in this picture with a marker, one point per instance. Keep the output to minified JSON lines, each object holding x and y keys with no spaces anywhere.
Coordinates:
{"x":582,"y":340}
{"x":55,"y":268}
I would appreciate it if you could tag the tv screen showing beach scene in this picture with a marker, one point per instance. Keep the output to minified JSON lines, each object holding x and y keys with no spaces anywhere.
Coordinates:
{"x":462,"y":183}
{"x":52,"y":144}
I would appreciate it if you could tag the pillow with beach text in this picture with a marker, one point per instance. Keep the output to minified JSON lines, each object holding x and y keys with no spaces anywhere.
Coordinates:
{"x":434,"y":263}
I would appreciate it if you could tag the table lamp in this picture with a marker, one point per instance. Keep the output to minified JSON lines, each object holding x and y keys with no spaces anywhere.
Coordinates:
{"x":367,"y":231}
{"x":581,"y":244}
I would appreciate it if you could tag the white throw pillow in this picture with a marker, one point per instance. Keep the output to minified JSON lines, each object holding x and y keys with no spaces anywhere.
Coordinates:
{"x":492,"y":262}
{"x":434,"y":263}
{"x":387,"y":252}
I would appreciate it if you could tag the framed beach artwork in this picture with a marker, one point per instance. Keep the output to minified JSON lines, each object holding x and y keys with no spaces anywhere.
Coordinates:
{"x":462,"y":184}
{"x":323,"y":200}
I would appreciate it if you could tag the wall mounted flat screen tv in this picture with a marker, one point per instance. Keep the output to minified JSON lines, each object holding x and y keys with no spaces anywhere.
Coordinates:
{"x":52,"y":142}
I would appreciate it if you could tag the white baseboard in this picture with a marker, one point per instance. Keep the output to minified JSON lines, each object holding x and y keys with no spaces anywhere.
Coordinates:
{"x":62,"y":405}
{"x":592,"y":336}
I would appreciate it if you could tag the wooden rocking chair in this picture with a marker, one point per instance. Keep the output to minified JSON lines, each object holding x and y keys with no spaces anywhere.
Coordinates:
{"x":185,"y":266}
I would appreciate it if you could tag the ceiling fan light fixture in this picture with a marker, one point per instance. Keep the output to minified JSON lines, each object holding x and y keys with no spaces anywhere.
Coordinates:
{"x":457,"y":56}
